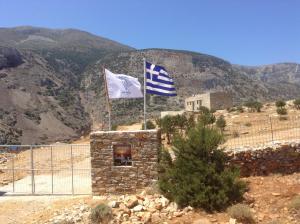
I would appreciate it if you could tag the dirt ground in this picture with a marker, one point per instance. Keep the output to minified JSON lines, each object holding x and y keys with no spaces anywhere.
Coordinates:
{"x":271,"y":194}
{"x":271,"y":198}
{"x":254,"y":129}
{"x":33,"y":209}
{"x":60,"y":164}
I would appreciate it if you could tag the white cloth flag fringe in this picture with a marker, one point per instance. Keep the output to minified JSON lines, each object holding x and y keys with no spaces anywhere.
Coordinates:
{"x":122,"y":86}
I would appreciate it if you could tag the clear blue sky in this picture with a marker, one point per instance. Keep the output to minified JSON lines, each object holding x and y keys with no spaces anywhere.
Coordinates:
{"x":249,"y":32}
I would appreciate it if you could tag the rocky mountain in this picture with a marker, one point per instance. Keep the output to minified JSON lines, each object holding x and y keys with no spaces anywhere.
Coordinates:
{"x":40,"y":76}
{"x":52,"y":82}
{"x":282,"y":80}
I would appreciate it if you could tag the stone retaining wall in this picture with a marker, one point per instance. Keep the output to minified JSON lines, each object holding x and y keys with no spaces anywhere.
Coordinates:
{"x":108,"y":178}
{"x":283,"y":158}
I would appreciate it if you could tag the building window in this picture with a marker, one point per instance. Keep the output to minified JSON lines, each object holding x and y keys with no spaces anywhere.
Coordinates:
{"x":199,"y":102}
{"x":122,"y":155}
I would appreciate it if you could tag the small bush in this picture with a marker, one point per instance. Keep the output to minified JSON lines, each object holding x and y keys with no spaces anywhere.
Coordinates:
{"x":204,"y":110}
{"x":281,"y":111}
{"x":213,"y":110}
{"x":150,"y":125}
{"x":167,"y":127}
{"x":295,"y":203}
{"x":248,"y":124}
{"x":297,"y":103}
{"x":280,"y":103}
{"x":254,"y":106}
{"x":221,"y":123}
{"x":102,"y":213}
{"x":206,"y":117}
{"x":114,"y":127}
{"x":241,"y":213}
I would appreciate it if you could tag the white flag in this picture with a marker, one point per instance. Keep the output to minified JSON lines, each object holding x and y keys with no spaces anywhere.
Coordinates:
{"x":122,"y":86}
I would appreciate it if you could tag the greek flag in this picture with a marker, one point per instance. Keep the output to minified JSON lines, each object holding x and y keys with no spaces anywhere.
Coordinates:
{"x":158,"y":81}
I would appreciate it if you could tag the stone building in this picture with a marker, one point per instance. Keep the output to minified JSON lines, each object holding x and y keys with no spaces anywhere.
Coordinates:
{"x":211,"y":100}
{"x":124,"y":161}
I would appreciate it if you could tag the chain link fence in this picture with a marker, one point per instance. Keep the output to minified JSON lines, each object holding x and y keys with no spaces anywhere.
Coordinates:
{"x":263,"y":131}
{"x":45,"y":169}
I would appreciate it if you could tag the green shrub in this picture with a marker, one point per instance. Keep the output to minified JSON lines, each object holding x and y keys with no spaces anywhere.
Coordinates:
{"x":281,"y":111}
{"x":254,"y":106}
{"x":206,"y":117}
{"x":297,"y":103}
{"x":150,"y":125}
{"x":280,"y":103}
{"x":295,"y":203}
{"x":198,"y":176}
{"x":180,"y":121}
{"x":203,"y":110}
{"x":241,"y":213}
{"x":221,"y":123}
{"x":102,"y":213}
{"x":213,"y":110}
{"x":167,"y":127}
{"x":191,"y":122}
{"x":114,"y":127}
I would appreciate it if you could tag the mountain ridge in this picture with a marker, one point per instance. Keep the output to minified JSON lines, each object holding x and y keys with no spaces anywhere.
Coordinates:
{"x":52,"y":83}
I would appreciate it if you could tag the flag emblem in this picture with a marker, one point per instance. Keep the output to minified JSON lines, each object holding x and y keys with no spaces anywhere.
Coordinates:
{"x":122,"y":86}
{"x":158,"y":81}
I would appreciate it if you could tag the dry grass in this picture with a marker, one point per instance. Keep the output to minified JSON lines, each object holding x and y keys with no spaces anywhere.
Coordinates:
{"x":254,"y":129}
{"x":275,"y":222}
{"x":295,"y":203}
{"x":241,"y":213}
{"x":102,"y":213}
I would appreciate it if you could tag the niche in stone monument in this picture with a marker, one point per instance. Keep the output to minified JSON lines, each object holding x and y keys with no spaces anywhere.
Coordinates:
{"x":122,"y":155}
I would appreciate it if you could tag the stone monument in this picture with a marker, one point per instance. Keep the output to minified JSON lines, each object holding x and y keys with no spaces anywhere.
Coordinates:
{"x":124,"y":161}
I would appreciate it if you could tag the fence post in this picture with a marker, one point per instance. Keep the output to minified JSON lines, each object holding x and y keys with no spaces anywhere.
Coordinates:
{"x":32,"y":171}
{"x":72,"y":170}
{"x":13,"y":173}
{"x":51,"y":169}
{"x":271,"y":129}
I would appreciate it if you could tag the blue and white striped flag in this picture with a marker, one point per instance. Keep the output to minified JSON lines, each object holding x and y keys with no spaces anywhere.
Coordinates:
{"x":158,"y":81}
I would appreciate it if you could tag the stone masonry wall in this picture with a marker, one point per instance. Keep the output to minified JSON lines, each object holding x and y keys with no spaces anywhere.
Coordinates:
{"x":284,"y":158}
{"x":107,"y":178}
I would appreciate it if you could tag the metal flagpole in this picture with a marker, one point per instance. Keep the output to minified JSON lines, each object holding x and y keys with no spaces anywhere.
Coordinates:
{"x":145,"y":125}
{"x":107,"y":101}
